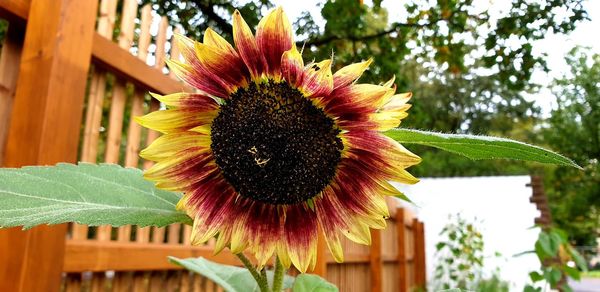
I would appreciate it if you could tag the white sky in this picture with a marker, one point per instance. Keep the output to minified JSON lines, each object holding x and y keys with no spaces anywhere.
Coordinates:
{"x":555,"y":46}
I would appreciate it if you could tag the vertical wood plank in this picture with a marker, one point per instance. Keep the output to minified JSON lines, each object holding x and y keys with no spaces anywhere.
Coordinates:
{"x":117,"y":107}
{"x":9,"y":71}
{"x":93,"y":117}
{"x":161,"y":40}
{"x":419,"y":254}
{"x":119,"y":96}
{"x":402,"y":262}
{"x":52,"y":75}
{"x":375,"y":261}
{"x":321,"y":266}
{"x":137,"y":107}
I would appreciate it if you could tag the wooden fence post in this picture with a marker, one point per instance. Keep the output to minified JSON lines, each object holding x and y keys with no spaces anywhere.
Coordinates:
{"x":376,"y":262}
{"x":44,"y":129}
{"x":321,"y":266}
{"x":9,"y":70}
{"x":419,"y":255}
{"x":402,"y":262}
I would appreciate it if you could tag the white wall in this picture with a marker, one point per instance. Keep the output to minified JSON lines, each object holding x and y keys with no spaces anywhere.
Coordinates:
{"x":502,"y":209}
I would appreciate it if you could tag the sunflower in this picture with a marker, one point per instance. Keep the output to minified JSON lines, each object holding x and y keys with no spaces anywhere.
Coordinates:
{"x":269,"y":151}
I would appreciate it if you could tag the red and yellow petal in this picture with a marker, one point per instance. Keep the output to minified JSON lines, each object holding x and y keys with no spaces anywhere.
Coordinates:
{"x":317,"y":79}
{"x":349,"y":74}
{"x":247,"y":47}
{"x":292,"y":66}
{"x":224,"y":67}
{"x":274,"y":37}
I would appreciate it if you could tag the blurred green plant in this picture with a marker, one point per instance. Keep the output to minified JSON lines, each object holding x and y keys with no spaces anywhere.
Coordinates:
{"x":558,"y":262}
{"x":574,"y":130}
{"x":460,"y":260}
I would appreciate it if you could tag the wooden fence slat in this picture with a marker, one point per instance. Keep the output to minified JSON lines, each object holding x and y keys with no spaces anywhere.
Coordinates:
{"x":137,"y":108}
{"x":376,"y":262}
{"x":52,"y":75}
{"x":115,"y":125}
{"x":402,"y":262}
{"x":9,"y":71}
{"x":106,"y":22}
{"x":322,"y":254}
{"x":419,"y":254}
{"x":119,"y":97}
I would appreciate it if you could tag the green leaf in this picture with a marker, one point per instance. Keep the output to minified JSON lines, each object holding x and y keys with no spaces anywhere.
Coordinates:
{"x":480,"y":147}
{"x":547,"y":245}
{"x":85,"y":193}
{"x":552,"y":275}
{"x":572,"y":272}
{"x":312,"y":283}
{"x":577,"y":258}
{"x":230,"y":278}
{"x":535,"y":277}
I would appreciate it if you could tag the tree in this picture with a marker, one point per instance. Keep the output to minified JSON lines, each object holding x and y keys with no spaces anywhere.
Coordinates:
{"x":574,"y":130}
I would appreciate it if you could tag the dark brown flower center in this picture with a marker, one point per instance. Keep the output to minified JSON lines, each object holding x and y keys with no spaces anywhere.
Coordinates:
{"x":273,"y":145}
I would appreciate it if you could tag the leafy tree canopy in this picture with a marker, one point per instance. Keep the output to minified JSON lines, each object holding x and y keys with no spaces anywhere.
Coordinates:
{"x":574,"y":130}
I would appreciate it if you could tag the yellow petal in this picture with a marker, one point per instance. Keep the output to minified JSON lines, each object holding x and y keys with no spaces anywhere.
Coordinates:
{"x":350,"y":73}
{"x":318,"y":80}
{"x":213,"y":39}
{"x":247,"y":47}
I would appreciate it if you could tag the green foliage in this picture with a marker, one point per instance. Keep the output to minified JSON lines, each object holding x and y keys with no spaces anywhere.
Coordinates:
{"x":85,"y":193}
{"x":231,"y":278}
{"x":236,"y":279}
{"x":312,"y":283}
{"x":459,"y":257}
{"x":479,"y":147}
{"x":574,"y":130}
{"x":558,"y":260}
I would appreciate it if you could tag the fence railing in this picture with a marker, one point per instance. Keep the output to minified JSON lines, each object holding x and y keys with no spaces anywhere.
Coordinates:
{"x":68,"y":91}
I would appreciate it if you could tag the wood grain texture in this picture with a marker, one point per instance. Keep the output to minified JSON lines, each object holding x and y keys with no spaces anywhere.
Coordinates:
{"x":107,"y":55}
{"x":10,"y":57}
{"x":52,"y":75}
{"x":95,"y":256}
{"x":376,"y":262}
{"x":402,"y":262}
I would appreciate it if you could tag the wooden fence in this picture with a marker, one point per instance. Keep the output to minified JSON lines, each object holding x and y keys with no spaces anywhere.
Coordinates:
{"x":62,"y":69}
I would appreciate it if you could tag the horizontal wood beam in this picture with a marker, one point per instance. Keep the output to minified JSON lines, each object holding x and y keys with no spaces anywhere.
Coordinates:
{"x":107,"y":55}
{"x":86,"y":255}
{"x":120,"y":62}
{"x":15,"y":10}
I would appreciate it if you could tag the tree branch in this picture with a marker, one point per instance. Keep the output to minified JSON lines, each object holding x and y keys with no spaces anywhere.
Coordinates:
{"x":395,"y":27}
{"x":208,"y":11}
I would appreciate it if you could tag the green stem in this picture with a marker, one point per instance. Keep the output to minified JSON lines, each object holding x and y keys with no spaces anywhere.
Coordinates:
{"x":279,"y":274}
{"x":261,"y":281}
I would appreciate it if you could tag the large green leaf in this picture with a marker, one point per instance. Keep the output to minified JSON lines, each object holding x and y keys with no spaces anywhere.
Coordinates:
{"x":85,"y":193}
{"x":230,"y":278}
{"x":480,"y":147}
{"x":312,"y":283}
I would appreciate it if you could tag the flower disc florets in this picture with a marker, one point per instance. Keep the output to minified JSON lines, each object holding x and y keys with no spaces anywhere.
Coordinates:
{"x":273,"y":145}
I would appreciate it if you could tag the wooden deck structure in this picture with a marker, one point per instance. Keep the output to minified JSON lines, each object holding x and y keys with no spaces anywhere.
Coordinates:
{"x":62,"y":69}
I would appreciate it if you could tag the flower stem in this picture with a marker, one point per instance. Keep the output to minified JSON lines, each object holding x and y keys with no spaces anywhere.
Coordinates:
{"x":279,"y":274}
{"x":260,"y":280}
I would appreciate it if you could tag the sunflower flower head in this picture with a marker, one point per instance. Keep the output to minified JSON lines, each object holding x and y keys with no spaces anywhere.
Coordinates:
{"x":269,"y":151}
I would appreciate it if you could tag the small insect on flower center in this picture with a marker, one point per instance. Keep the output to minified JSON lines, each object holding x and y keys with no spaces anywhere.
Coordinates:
{"x":275,"y":146}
